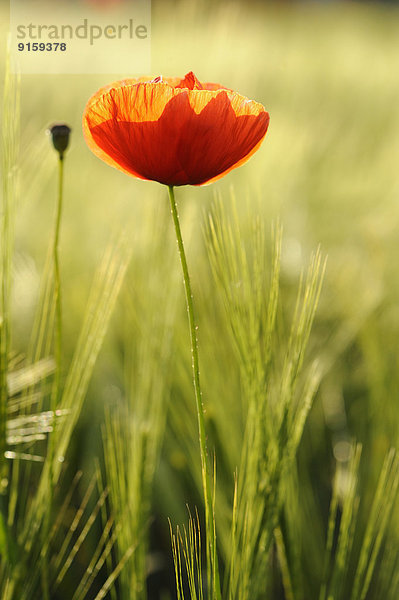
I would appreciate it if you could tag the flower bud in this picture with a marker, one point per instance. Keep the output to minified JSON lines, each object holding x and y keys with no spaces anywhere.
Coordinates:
{"x":60,"y":137}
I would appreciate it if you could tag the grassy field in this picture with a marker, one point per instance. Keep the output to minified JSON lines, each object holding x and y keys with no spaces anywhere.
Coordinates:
{"x":300,"y":390}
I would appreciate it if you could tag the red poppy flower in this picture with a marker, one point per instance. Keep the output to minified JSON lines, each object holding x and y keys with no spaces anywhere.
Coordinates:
{"x":173,"y":131}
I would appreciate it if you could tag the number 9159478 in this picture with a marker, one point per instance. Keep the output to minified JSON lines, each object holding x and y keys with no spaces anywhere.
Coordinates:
{"x":42,"y":47}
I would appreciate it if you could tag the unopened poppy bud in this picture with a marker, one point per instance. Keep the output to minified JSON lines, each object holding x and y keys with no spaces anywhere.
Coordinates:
{"x":174,"y":131}
{"x":60,"y":136}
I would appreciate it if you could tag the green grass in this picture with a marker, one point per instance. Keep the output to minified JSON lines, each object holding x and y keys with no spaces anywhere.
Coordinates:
{"x":298,"y":357}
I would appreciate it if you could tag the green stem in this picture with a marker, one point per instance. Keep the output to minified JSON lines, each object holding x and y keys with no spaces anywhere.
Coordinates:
{"x":57,"y":380}
{"x":210,"y":532}
{"x":57,"y":284}
{"x":5,"y":269}
{"x":4,"y":330}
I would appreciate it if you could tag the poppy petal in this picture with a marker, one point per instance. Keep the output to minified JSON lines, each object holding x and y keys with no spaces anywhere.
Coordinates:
{"x":173,"y":131}
{"x":190,"y":82}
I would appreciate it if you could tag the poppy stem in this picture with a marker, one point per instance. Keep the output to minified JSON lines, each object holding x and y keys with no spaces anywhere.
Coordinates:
{"x":57,"y":379}
{"x":209,"y":507}
{"x":57,"y":282}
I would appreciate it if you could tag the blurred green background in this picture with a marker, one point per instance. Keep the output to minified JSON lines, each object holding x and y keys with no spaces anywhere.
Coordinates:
{"x":328,"y":170}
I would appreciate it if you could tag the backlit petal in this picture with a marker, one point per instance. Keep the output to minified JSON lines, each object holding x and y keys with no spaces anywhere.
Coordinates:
{"x":173,"y":131}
